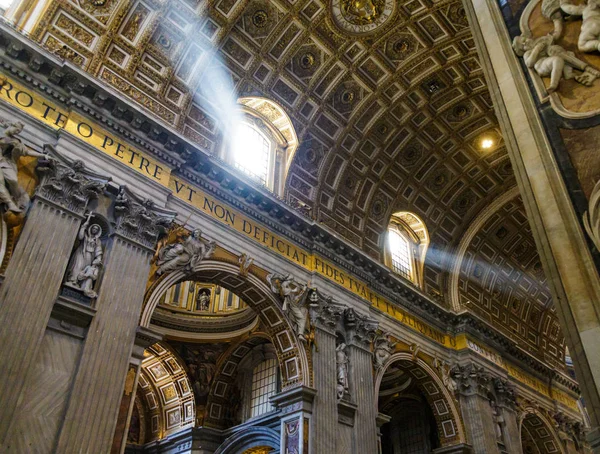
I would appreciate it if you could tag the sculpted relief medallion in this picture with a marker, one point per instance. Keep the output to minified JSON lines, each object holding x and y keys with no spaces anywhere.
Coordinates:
{"x":361,"y":16}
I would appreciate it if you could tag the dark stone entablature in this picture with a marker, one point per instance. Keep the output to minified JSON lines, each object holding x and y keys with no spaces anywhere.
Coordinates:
{"x":72,"y":88}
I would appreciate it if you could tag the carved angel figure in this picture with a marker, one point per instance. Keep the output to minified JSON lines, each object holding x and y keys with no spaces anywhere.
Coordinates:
{"x":11,"y":194}
{"x":294,"y":306}
{"x":382,"y":351}
{"x":589,"y":36}
{"x":87,"y":259}
{"x":245,"y":263}
{"x":444,"y":370}
{"x":186,"y":255}
{"x":551,"y":60}
{"x":551,"y":10}
{"x":341,"y":359}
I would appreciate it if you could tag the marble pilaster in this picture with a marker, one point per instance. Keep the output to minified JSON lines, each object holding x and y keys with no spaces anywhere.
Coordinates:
{"x":92,"y":412}
{"x":34,"y":275}
{"x":506,"y":403}
{"x":474,"y":386}
{"x":566,"y":259}
{"x":324,"y":367}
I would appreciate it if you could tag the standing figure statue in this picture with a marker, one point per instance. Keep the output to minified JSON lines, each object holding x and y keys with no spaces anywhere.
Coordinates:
{"x":551,"y":60}
{"x":341,"y":360}
{"x":294,"y":304}
{"x":203,"y":299}
{"x":186,"y":255}
{"x":87,"y":259}
{"x":589,"y":36}
{"x":12,"y":195}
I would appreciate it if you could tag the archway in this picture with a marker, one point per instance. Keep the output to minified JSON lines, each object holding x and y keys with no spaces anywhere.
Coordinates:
{"x":164,"y":401}
{"x":247,"y":440}
{"x":293,"y":361}
{"x":537,"y":434}
{"x":409,"y":385}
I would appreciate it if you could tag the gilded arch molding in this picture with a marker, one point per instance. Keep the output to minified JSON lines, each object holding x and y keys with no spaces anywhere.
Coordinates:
{"x":293,"y":359}
{"x":442,"y":403}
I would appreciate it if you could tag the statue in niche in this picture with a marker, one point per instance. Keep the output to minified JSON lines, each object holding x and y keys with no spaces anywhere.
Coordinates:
{"x":202,"y":299}
{"x":87,"y":259}
{"x":589,"y":36}
{"x":383,"y":349}
{"x":186,"y":255}
{"x":551,"y":60}
{"x":498,"y":420}
{"x":341,"y":360}
{"x":13,"y":196}
{"x":294,"y":305}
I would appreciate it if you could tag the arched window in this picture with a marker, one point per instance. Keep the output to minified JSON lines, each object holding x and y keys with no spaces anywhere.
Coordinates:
{"x":258,"y":380}
{"x":264,"y":385}
{"x":405,"y":246}
{"x":264,"y":143}
{"x":253,"y":154}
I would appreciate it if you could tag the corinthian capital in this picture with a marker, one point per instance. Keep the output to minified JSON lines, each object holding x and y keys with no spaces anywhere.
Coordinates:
{"x":324,"y":311}
{"x":471,"y":379}
{"x":505,"y":393}
{"x":68,"y":184}
{"x":140,"y":220}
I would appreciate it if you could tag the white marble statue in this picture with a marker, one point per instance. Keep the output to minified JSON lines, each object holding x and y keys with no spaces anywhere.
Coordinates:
{"x":245,"y":262}
{"x":186,"y":255}
{"x":589,"y":36}
{"x":551,"y":10}
{"x":294,"y":306}
{"x":551,"y":60}
{"x":341,"y":360}
{"x":383,"y":349}
{"x":13,"y":196}
{"x":87,"y":259}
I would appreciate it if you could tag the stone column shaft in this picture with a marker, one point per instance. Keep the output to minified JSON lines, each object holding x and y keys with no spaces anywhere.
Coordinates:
{"x":31,"y":286}
{"x":512,"y":434}
{"x":325,"y":417}
{"x":572,"y":276}
{"x":92,"y":412}
{"x":363,"y":395}
{"x":479,"y":423}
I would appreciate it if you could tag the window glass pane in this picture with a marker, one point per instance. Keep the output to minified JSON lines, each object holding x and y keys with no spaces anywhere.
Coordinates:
{"x":252,"y":153}
{"x":264,"y":385}
{"x":400,"y":253}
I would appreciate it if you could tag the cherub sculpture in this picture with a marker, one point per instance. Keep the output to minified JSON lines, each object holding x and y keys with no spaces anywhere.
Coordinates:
{"x":294,"y":304}
{"x":186,"y":255}
{"x":551,"y":60}
{"x":589,"y":36}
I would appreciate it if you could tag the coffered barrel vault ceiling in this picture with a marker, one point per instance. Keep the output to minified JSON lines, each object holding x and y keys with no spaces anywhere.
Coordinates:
{"x":388,"y":99}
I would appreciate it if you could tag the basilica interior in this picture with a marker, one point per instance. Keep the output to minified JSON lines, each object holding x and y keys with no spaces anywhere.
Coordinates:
{"x":300,"y":226}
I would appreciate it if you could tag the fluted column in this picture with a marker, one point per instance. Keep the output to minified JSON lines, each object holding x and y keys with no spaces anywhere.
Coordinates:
{"x":506,"y":402}
{"x":325,"y":417}
{"x":34,"y":275}
{"x":473,"y":388}
{"x":360,"y":333}
{"x":92,"y":412}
